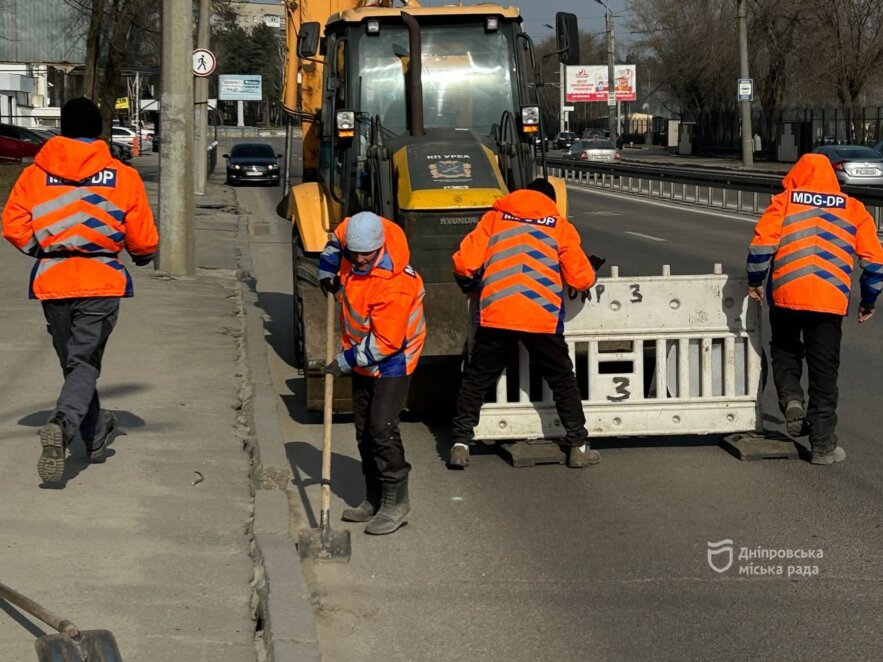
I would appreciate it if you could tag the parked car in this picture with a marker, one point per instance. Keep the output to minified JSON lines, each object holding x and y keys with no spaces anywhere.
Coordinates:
{"x":854,"y":164}
{"x":564,"y":139}
{"x":252,"y":162}
{"x":594,"y":134}
{"x":17,"y":143}
{"x":122,"y":134}
{"x":594,"y":150}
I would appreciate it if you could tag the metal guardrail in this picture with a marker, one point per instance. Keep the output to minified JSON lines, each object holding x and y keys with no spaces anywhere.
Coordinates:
{"x":741,"y":192}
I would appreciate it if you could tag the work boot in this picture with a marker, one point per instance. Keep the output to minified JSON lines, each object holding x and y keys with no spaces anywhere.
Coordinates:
{"x":96,"y":447}
{"x":582,"y":456}
{"x":459,"y":458}
{"x":794,"y":418}
{"x":365,"y":510}
{"x":50,"y":466}
{"x":837,"y":454}
{"x":394,"y":508}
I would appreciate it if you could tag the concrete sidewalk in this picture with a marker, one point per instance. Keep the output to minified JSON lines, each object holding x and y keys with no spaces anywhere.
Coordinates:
{"x":139,"y":545}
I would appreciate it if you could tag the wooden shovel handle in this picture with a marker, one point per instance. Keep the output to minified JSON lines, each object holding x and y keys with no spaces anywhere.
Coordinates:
{"x":330,"y":353}
{"x":38,"y":611}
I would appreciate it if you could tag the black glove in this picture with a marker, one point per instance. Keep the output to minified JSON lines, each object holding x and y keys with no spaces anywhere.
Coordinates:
{"x":329,"y":285}
{"x":596,"y":262}
{"x":467,"y":284}
{"x":333,"y":368}
{"x":142,"y":260}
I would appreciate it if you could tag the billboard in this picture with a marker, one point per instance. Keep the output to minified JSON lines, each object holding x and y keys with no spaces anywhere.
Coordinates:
{"x":235,"y":87}
{"x":589,"y":83}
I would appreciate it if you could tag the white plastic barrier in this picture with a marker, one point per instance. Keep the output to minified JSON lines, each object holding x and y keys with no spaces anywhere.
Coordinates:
{"x":658,"y":355}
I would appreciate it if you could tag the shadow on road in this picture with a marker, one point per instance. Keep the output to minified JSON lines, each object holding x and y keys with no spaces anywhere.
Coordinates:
{"x":279,"y":318}
{"x":21,"y":619}
{"x":306,"y":465}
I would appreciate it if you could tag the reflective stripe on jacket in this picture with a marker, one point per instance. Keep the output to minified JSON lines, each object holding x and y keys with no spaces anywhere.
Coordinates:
{"x":807,"y":241}
{"x":74,"y":210}
{"x":522,"y":253}
{"x":383,"y":328}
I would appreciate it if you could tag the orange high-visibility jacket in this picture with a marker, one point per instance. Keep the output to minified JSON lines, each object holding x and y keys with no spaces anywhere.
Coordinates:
{"x":383,"y":329}
{"x":74,"y":209}
{"x":808,"y":238}
{"x":523,"y":252}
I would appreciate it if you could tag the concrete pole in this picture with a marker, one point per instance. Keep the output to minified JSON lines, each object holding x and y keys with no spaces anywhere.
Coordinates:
{"x":611,"y":77}
{"x":562,"y":74}
{"x":747,"y":133}
{"x":200,"y":142}
{"x":177,"y":249}
{"x":240,"y":113}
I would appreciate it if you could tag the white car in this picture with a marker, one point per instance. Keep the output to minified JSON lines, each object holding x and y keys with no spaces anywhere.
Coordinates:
{"x":121,"y":134}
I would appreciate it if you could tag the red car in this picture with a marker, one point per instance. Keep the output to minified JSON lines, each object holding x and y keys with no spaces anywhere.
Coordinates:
{"x":17,"y":143}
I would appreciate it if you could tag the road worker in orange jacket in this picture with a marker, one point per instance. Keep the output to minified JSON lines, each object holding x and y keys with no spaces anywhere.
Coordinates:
{"x":519,"y":258}
{"x":382,"y":332}
{"x":74,"y":210}
{"x":807,"y":241}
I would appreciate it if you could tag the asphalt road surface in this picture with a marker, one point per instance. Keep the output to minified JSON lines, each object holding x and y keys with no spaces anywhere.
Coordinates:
{"x":608,"y":563}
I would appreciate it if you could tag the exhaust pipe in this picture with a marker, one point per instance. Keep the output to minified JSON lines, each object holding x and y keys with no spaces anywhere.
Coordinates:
{"x":415,"y":75}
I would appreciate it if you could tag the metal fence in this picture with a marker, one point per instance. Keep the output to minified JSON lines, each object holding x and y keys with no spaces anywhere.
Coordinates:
{"x":740,"y":192}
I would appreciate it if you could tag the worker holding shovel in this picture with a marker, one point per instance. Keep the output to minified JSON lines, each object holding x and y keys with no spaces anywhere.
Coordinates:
{"x":383,"y":331}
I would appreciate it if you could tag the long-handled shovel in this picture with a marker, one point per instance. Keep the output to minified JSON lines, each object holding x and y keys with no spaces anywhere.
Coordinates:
{"x":72,"y":644}
{"x":323,"y":544}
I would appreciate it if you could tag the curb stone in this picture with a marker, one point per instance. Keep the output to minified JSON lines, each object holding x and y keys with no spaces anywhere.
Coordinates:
{"x":281,"y":601}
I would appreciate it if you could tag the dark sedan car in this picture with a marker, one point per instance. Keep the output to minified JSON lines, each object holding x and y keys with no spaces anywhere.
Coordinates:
{"x":252,"y":162}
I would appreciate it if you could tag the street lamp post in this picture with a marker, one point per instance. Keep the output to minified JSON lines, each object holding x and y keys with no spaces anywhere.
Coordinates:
{"x":747,"y":134}
{"x":562,"y":74}
{"x":612,"y":119}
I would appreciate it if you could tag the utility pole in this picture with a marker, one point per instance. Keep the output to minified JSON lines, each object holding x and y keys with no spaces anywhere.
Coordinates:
{"x":177,"y":249}
{"x":611,"y":76}
{"x":612,"y":111}
{"x":200,"y":143}
{"x":747,"y":133}
{"x":562,"y":74}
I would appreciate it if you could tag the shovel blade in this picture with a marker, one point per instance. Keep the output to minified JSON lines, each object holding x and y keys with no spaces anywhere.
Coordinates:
{"x":92,"y":645}
{"x":324,"y":545}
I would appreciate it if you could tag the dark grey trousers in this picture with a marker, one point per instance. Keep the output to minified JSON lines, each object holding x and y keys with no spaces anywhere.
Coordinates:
{"x":80,"y":329}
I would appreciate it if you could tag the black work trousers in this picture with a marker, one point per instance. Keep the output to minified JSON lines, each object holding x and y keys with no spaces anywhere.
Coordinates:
{"x":549,"y":352}
{"x":80,"y":329}
{"x":377,"y":403}
{"x":799,"y":334}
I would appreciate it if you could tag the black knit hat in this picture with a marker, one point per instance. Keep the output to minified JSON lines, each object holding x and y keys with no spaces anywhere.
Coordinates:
{"x":543,"y":186}
{"x":80,"y":118}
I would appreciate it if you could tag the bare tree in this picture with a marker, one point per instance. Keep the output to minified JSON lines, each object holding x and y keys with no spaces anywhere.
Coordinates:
{"x":692,"y":47}
{"x":774,"y":29}
{"x":850,"y":33}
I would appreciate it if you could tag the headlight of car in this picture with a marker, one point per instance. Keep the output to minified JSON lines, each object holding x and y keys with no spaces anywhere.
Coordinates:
{"x":236,"y":167}
{"x":271,"y":167}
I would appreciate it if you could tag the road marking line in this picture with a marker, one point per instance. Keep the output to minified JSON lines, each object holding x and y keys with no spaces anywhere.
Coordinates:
{"x":643,"y":236}
{"x":667,"y":205}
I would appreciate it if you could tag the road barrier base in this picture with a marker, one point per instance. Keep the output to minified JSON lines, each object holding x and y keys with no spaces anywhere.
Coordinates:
{"x":760,"y":446}
{"x":533,"y":452}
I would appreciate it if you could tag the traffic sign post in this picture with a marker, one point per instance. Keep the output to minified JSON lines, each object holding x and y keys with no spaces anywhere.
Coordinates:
{"x":204,"y":62}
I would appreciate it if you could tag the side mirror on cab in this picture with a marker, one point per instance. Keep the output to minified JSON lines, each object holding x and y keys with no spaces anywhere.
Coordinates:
{"x":308,"y":40}
{"x":225,"y":156}
{"x":567,"y":30}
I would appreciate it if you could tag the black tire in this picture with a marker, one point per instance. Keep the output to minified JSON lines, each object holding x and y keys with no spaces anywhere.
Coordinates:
{"x":298,"y":258}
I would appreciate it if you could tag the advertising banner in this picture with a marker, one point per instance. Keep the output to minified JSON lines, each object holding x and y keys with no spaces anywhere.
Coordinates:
{"x":589,"y":83}
{"x":239,"y":88}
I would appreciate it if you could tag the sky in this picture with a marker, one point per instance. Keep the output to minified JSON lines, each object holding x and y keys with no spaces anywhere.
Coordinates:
{"x":537,"y":13}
